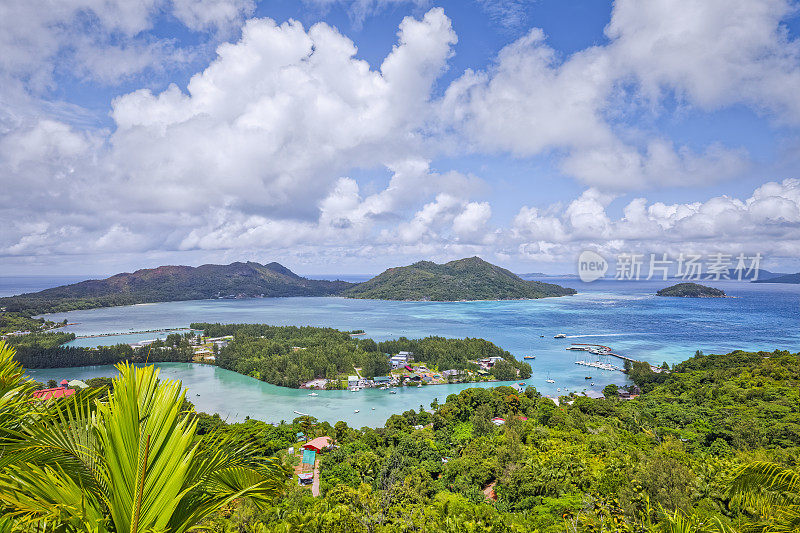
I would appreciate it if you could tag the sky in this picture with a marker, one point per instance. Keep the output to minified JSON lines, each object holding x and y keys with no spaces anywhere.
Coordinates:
{"x":349,"y":136}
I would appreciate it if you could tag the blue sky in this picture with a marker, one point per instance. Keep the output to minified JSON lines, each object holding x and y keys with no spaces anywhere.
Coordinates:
{"x":134,"y":134}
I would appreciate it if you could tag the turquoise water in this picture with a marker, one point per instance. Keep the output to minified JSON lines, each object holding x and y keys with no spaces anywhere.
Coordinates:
{"x":623,"y":315}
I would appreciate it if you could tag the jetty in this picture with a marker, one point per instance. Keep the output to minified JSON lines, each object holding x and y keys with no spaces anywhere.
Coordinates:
{"x":599,"y":350}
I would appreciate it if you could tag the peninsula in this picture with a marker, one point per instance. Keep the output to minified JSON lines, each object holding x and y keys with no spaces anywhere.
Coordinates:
{"x":471,"y":278}
{"x":691,"y":290}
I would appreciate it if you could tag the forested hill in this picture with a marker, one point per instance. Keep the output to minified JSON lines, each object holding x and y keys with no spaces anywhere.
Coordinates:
{"x":465,"y":279}
{"x":173,"y":283}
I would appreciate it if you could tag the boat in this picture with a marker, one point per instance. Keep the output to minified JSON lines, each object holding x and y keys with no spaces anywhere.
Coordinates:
{"x":529,"y":357}
{"x":313,"y":394}
{"x":392,"y":392}
{"x":559,"y":389}
{"x":592,"y":383}
{"x":301,"y":414}
{"x":420,"y":385}
{"x":521,"y":384}
{"x":550,"y":380}
{"x":588,"y":377}
{"x":354,"y":389}
{"x":560,"y":336}
{"x":542,"y":336}
{"x":373,"y":408}
{"x":356,"y":411}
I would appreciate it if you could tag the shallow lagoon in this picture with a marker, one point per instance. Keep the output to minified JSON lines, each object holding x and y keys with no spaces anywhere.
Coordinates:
{"x":624,"y":315}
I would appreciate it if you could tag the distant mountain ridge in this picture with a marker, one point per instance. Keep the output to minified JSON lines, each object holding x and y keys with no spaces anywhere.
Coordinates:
{"x":471,"y":278}
{"x":785,"y":278}
{"x":174,"y":283}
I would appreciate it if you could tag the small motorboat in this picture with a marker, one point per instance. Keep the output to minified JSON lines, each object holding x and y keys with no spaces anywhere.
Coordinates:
{"x":592,"y":383}
{"x":559,"y":389}
{"x":373,"y":408}
{"x":550,"y":380}
{"x":313,"y":394}
{"x":560,"y":336}
{"x":356,"y":411}
{"x":588,"y":377}
{"x":529,"y":357}
{"x":392,"y":392}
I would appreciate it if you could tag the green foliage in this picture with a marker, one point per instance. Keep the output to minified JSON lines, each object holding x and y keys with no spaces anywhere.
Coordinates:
{"x":291,"y":355}
{"x":465,"y":279}
{"x":45,"y":352}
{"x":132,"y":462}
{"x":12,"y":322}
{"x":691,"y":290}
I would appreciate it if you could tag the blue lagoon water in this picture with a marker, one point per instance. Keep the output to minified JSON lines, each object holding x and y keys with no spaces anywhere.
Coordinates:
{"x":623,"y":315}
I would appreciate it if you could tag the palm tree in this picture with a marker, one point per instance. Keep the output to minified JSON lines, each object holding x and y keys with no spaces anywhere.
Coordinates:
{"x":131,"y":463}
{"x":772,"y":493}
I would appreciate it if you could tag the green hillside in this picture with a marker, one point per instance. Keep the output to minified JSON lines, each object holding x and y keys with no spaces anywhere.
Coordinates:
{"x":465,"y":279}
{"x":691,"y":290}
{"x":173,"y":283}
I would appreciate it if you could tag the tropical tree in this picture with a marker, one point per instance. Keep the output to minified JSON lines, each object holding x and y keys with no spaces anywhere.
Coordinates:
{"x":131,"y":463}
{"x":771,"y":493}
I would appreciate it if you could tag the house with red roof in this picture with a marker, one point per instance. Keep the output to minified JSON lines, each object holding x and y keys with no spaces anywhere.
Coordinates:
{"x":318,"y":444}
{"x":57,"y":392}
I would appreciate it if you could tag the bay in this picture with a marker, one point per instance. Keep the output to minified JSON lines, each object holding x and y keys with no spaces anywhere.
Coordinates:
{"x":626,"y":316}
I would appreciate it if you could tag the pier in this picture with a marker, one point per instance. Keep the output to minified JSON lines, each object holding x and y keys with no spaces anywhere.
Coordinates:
{"x":599,"y":350}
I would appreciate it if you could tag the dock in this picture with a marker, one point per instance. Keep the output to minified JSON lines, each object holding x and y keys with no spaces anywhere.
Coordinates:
{"x":599,"y":349}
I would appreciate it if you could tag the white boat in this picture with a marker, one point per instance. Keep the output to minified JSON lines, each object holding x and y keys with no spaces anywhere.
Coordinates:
{"x":354,"y":389}
{"x":559,"y":389}
{"x":313,"y":394}
{"x":592,"y":384}
{"x":392,"y":392}
{"x":560,"y":336}
{"x":373,"y":408}
{"x":420,"y":385}
{"x":550,"y":380}
{"x":356,"y":411}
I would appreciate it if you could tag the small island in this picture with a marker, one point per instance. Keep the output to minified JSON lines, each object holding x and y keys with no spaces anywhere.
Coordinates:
{"x":471,"y":278}
{"x":691,"y":290}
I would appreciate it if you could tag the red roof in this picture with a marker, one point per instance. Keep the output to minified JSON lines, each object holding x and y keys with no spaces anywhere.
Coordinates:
{"x":58,"y":392}
{"x":408,"y":367}
{"x":64,"y":382}
{"x":318,"y":444}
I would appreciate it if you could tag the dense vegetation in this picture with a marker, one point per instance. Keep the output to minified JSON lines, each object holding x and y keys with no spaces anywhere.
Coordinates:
{"x":41,"y":351}
{"x":48,"y":339}
{"x":677,"y":458}
{"x":11,"y":322}
{"x":172,"y":283}
{"x":290,"y":355}
{"x":691,"y":290}
{"x":128,"y":458}
{"x":712,"y":446}
{"x":465,"y":279}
